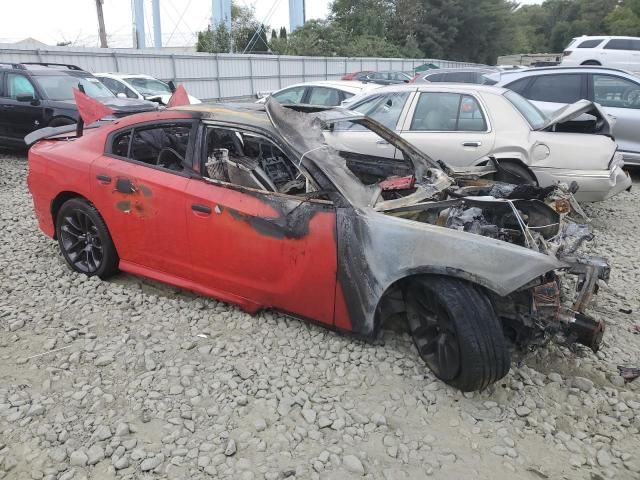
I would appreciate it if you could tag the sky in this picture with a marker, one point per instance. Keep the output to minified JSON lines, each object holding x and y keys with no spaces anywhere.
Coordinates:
{"x":75,"y":21}
{"x":53,"y":21}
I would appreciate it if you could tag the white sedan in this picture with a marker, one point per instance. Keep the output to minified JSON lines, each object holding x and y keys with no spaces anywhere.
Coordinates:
{"x":463,"y":125}
{"x":327,"y":93}
{"x":144,"y":87}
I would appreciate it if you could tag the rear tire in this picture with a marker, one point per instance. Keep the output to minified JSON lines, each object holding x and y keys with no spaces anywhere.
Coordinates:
{"x":515,"y":173}
{"x":456,"y":332}
{"x":591,"y":62}
{"x":84,"y":239}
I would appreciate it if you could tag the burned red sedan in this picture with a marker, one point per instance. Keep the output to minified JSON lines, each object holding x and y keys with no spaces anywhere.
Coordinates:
{"x":251,"y":205}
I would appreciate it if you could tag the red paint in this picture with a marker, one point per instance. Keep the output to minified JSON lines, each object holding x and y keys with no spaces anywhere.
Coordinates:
{"x":398,"y":183}
{"x":178,"y":98}
{"x":224,"y":254}
{"x":90,"y":109}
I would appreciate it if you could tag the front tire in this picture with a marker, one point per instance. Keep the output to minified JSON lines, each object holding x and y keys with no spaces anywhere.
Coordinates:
{"x":591,"y":62}
{"x":84,"y":239}
{"x":456,"y":332}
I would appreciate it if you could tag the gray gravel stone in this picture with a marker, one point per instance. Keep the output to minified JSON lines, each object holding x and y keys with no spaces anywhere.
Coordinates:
{"x":353,"y":464}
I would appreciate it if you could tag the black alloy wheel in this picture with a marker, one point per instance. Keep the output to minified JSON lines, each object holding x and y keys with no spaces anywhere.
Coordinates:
{"x":434,"y":334}
{"x":84,"y":239}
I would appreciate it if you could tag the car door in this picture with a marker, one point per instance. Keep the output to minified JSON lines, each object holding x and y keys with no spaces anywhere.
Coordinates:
{"x":635,"y":56}
{"x":138,"y":186}
{"x":618,"y":53}
{"x":21,"y":110}
{"x":360,"y":144}
{"x":449,"y":126}
{"x":552,"y":92}
{"x":620,"y":98}
{"x":251,"y":244}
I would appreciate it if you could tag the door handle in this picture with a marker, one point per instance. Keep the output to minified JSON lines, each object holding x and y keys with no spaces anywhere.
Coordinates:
{"x":197,"y":207}
{"x":104,"y":178}
{"x":472,"y":144}
{"x":125,"y":185}
{"x":382,"y":142}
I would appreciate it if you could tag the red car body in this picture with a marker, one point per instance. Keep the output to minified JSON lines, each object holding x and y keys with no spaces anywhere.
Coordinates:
{"x":357,"y":75}
{"x":158,"y":234}
{"x":291,"y":223}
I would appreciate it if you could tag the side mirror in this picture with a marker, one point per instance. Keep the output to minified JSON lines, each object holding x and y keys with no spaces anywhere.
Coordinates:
{"x":27,"y":97}
{"x":172,"y":86}
{"x":121,"y":95}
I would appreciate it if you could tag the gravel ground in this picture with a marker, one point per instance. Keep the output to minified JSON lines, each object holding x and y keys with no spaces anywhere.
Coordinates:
{"x":134,"y":379}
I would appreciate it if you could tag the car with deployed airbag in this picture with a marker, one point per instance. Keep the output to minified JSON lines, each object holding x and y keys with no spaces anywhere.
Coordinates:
{"x":251,"y":205}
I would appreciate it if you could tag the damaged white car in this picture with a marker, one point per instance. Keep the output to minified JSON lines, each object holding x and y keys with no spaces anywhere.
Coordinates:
{"x":465,"y":125}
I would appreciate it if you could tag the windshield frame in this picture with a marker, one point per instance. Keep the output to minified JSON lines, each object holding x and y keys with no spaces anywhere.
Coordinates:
{"x":304,"y":133}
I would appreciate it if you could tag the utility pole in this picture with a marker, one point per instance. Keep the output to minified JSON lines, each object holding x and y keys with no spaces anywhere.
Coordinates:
{"x":101,"y":30}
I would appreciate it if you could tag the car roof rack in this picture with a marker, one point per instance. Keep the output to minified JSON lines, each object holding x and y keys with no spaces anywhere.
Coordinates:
{"x":563,"y":67}
{"x":16,"y":66}
{"x":68,"y":66}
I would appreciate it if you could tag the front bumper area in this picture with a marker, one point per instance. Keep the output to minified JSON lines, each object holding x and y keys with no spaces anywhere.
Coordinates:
{"x":572,"y":321}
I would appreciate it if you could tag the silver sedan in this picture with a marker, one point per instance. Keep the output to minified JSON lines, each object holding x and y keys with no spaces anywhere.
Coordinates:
{"x":464,"y":125}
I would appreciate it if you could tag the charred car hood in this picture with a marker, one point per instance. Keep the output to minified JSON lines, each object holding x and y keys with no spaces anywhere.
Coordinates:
{"x":573,"y":111}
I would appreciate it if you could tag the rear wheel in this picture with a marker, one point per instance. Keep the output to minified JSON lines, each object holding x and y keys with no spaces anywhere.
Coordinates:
{"x":84,"y":239}
{"x":456,"y":332}
{"x":511,"y":172}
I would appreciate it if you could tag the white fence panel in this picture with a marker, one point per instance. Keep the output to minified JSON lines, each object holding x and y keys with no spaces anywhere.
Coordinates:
{"x":209,"y":76}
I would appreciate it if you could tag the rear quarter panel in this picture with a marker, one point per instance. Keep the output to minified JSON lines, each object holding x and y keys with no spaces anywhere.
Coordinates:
{"x":57,"y":166}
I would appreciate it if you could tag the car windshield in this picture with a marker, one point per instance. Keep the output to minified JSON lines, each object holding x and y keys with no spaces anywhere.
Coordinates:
{"x":529,"y":111}
{"x":149,"y":86}
{"x":60,"y":87}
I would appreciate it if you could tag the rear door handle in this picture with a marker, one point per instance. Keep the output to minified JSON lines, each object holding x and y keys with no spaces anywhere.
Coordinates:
{"x":382,"y":142}
{"x":472,"y":144}
{"x":197,"y":207}
{"x":104,"y":178}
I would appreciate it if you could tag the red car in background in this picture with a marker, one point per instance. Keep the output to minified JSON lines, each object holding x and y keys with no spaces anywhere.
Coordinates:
{"x":249,"y":204}
{"x":357,"y":75}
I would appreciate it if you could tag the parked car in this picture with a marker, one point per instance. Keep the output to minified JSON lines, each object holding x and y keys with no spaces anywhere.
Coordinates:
{"x":464,"y":125}
{"x":143,"y":87}
{"x":357,"y":75}
{"x":615,"y":52}
{"x":253,"y":207}
{"x":36,"y":95}
{"x":329,"y":93}
{"x":477,"y":75}
{"x":617,"y":91}
{"x":387,"y":78}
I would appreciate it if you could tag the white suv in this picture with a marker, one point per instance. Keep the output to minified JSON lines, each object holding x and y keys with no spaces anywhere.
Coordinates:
{"x":615,"y":52}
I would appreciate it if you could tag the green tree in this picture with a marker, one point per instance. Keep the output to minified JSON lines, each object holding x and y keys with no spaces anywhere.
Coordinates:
{"x":244,"y":25}
{"x":283,"y":33}
{"x":623,"y":20}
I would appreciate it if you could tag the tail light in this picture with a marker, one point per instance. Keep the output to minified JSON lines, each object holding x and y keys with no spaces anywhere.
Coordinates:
{"x":566,"y":53}
{"x":413,"y":80}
